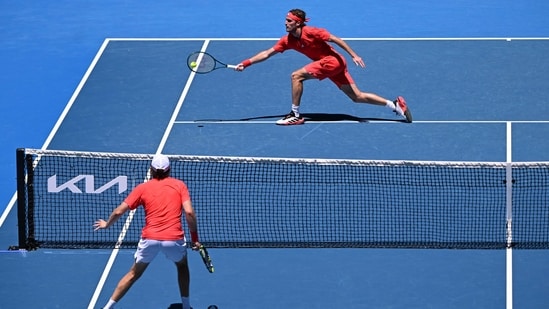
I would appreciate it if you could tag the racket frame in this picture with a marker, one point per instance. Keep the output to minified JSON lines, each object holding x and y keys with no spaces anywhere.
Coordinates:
{"x":206,"y":258}
{"x":199,"y":55}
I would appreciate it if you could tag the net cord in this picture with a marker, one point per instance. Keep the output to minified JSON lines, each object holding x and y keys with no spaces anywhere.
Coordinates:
{"x":228,"y":159}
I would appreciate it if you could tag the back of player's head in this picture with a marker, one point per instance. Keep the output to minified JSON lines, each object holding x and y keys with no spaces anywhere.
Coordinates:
{"x":160,"y":166}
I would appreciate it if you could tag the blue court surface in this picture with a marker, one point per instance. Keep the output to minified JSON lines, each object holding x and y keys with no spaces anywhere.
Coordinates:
{"x":111,"y":76}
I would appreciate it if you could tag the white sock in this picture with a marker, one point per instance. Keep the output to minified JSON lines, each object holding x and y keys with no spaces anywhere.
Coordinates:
{"x":390,"y":105}
{"x":295,"y":109}
{"x":110,"y":304}
{"x":186,"y":302}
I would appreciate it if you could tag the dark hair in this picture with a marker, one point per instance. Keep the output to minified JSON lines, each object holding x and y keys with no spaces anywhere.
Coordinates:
{"x":299,"y":13}
{"x":159,"y":173}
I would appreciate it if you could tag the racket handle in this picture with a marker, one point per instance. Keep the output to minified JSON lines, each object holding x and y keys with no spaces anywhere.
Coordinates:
{"x":231,"y":66}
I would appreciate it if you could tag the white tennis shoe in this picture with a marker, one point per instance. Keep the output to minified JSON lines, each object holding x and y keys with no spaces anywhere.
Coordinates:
{"x":290,"y":119}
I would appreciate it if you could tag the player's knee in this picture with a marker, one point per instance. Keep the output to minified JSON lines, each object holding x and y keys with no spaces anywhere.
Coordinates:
{"x":353,"y":97}
{"x":358,"y":98}
{"x":297,"y":76}
{"x":132,"y":277}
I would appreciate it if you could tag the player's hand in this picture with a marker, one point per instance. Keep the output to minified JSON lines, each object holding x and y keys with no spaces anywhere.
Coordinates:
{"x":100,"y":224}
{"x":196,"y":245}
{"x":239,"y":67}
{"x":358,"y":61}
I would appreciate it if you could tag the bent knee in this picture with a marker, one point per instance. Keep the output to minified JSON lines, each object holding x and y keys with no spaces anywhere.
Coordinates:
{"x":133,"y":277}
{"x":299,"y":75}
{"x":355,"y":99}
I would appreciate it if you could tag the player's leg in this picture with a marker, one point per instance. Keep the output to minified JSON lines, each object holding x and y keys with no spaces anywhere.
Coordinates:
{"x":176,"y":251}
{"x":183,"y":276}
{"x":297,"y":79}
{"x":128,"y":280}
{"x":357,"y":96}
{"x":184,"y":281}
{"x":398,"y":105}
{"x":147,"y":250}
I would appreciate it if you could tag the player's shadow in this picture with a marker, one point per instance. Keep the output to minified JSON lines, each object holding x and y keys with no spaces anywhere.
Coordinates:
{"x":180,"y":306}
{"x":341,"y":117}
{"x":325,"y":117}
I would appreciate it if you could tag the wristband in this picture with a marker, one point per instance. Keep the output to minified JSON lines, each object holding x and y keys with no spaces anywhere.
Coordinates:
{"x":246,"y":63}
{"x":194,"y":236}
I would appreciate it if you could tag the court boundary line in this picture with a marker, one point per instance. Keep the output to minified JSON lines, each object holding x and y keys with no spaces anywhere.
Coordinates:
{"x":8,"y":208}
{"x":509,"y":250}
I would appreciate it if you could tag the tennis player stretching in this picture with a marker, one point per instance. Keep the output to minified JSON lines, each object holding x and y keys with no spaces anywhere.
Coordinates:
{"x":164,"y":199}
{"x":327,"y":63}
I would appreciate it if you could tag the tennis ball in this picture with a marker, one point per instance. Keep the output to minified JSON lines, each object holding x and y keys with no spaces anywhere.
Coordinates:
{"x":193,"y":64}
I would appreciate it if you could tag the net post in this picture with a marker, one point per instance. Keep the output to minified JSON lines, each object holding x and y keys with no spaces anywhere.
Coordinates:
{"x":509,"y":202}
{"x":21,"y":198}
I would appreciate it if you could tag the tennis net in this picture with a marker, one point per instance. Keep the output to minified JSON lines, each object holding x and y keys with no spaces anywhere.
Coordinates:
{"x":244,"y":202}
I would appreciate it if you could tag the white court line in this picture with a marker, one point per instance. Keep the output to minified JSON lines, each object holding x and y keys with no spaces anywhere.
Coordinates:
{"x":167,"y":132}
{"x":8,"y":209}
{"x":509,"y":251}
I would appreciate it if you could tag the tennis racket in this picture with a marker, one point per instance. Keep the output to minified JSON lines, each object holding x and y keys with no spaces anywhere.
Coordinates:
{"x":206,"y":258}
{"x":202,"y":62}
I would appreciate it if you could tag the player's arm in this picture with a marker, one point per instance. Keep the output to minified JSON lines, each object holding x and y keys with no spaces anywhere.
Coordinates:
{"x":115,"y":215}
{"x":190,"y":216}
{"x":356,"y":58}
{"x":261,"y":56}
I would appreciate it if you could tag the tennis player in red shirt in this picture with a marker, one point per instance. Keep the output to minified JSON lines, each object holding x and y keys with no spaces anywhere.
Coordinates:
{"x":164,"y":200}
{"x":327,"y":63}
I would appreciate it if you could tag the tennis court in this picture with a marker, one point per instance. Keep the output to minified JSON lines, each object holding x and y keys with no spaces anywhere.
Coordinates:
{"x":475,"y":96}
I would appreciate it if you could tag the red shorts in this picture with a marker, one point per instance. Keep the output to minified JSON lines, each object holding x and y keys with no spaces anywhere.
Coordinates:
{"x":330,"y":67}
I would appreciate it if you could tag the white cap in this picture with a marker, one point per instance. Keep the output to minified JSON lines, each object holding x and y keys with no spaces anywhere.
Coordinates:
{"x":160,"y":162}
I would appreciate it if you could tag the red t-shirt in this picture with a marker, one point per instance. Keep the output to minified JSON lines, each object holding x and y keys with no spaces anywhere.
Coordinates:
{"x":312,"y":43}
{"x":163,"y":203}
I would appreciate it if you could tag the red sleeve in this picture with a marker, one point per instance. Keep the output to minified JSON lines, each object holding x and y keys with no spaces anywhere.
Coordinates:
{"x":320,"y":33}
{"x":185,"y":196}
{"x":134,"y":198}
{"x":281,"y":45}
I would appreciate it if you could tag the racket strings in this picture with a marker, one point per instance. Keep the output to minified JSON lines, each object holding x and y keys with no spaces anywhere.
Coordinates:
{"x":201,"y":63}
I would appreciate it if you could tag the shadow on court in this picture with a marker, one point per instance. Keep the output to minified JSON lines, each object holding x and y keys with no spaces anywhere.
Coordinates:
{"x":324,"y":117}
{"x":179,"y":306}
{"x":342,"y":117}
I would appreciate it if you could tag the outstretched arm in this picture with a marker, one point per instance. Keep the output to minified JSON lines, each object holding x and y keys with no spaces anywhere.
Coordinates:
{"x":261,"y":56}
{"x":115,"y":215}
{"x":356,"y":59}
